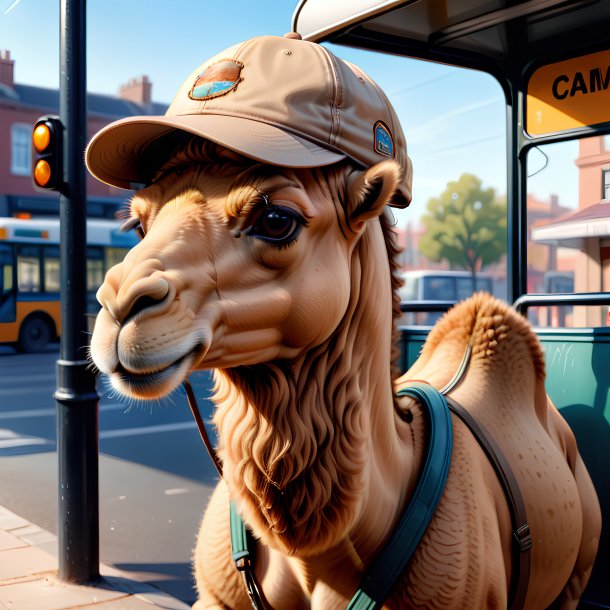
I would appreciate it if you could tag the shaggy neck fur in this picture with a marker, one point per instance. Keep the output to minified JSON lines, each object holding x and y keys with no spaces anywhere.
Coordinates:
{"x":295,"y":437}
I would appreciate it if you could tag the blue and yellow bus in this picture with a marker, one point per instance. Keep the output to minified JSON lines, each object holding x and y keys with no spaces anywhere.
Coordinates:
{"x":30,"y":313}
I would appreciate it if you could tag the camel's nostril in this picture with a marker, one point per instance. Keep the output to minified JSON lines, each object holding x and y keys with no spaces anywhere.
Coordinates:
{"x":144,"y":302}
{"x":129,"y":297}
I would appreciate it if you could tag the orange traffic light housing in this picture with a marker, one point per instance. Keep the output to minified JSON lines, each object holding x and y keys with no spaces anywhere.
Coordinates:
{"x":47,"y":154}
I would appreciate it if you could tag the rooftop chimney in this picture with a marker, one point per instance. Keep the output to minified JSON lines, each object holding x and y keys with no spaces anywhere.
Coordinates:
{"x":138,"y":90}
{"x":7,"y":66}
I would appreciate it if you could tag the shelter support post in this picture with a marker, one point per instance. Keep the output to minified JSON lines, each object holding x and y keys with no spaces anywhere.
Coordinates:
{"x":516,"y":195}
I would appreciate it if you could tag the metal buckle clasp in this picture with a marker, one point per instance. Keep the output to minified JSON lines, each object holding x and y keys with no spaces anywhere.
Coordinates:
{"x":243,"y":563}
{"x":523,"y":537}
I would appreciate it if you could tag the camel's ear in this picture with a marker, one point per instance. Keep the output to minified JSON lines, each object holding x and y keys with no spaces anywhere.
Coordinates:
{"x":368,"y":192}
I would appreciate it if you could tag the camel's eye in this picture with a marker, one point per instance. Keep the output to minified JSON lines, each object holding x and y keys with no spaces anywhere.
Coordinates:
{"x":135,"y":224}
{"x":276,"y":224}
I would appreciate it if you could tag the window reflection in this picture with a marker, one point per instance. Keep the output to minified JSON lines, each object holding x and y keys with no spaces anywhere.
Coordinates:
{"x":28,"y":269}
{"x":52,"y":280}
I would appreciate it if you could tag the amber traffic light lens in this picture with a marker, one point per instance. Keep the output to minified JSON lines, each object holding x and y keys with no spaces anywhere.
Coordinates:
{"x":41,"y":137}
{"x":42,"y":173}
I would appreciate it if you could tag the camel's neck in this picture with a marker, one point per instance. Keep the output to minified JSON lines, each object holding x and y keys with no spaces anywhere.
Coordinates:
{"x":311,"y":447}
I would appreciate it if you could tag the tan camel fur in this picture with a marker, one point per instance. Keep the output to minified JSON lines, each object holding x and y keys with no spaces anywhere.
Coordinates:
{"x":285,"y":283}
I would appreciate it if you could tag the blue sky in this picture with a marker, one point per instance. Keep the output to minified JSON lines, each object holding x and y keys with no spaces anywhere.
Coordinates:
{"x":453,"y":119}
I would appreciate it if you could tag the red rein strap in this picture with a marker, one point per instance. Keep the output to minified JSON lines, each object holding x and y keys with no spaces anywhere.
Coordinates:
{"x":190,"y":396}
{"x":244,"y":565}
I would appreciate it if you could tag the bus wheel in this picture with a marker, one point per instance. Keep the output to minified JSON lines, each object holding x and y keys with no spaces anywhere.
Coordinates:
{"x":34,"y":335}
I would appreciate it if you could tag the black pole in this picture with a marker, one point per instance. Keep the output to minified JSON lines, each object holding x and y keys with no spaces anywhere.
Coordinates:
{"x":516,"y":197}
{"x":76,"y":396}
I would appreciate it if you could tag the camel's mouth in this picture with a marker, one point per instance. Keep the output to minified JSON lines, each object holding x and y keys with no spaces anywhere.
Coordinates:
{"x":154,"y":384}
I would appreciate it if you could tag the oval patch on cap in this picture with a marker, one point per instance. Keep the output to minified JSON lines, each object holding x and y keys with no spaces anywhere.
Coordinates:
{"x":384,"y":144}
{"x":217,"y":79}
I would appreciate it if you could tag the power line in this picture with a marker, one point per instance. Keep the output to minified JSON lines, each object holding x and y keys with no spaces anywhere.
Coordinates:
{"x":419,"y":85}
{"x":464,"y":144}
{"x":11,"y":7}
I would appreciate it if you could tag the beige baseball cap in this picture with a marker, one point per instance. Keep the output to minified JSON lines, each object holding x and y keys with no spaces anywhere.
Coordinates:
{"x":278,"y":100}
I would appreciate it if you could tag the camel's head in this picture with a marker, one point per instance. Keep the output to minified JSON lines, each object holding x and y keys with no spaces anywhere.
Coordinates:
{"x":238,"y":264}
{"x":243,"y":262}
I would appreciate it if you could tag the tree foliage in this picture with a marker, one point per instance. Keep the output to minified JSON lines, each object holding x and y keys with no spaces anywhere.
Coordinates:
{"x":465,"y":225}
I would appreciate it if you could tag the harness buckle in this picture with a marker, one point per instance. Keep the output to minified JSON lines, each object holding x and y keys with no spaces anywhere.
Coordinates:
{"x":243,"y":564}
{"x":523,"y":537}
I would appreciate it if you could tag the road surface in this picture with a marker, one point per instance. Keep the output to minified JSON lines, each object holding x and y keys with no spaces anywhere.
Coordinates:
{"x":155,"y":476}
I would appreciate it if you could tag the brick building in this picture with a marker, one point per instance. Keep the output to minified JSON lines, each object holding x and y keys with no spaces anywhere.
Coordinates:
{"x":586,"y":231}
{"x":21,"y":105}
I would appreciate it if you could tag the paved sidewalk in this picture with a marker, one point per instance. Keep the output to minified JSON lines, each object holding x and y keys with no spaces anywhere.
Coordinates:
{"x":28,"y":577}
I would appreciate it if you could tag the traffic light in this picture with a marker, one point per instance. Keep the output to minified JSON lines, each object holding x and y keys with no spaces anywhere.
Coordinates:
{"x":47,"y":159}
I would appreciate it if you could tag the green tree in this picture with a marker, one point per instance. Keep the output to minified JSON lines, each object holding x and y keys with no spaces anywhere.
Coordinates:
{"x":465,"y":225}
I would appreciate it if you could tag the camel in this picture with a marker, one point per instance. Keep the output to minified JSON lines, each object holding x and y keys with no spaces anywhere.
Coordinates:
{"x":284,"y":282}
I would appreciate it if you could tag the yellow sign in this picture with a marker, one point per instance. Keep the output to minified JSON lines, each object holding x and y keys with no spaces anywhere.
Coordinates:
{"x":569,"y":94}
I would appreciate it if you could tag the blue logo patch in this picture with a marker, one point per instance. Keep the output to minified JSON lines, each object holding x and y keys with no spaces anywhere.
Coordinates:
{"x":384,"y":144}
{"x":217,"y":79}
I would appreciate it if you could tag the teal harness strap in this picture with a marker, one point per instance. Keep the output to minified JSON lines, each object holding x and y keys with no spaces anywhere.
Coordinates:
{"x":243,"y":558}
{"x":378,"y":581}
{"x":239,"y":536}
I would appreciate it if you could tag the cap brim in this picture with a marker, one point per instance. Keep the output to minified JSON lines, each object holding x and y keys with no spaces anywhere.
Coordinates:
{"x":130,"y":151}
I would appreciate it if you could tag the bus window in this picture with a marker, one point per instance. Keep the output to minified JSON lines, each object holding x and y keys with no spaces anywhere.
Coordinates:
{"x":567,"y":216}
{"x":28,"y":269}
{"x":7,"y":277}
{"x":439,"y":288}
{"x":465,"y":286}
{"x":114,"y":256}
{"x":450,"y":286}
{"x":7,"y":293}
{"x":51,"y":269}
{"x":95,"y":268}
{"x":408,"y":292}
{"x":95,"y":277}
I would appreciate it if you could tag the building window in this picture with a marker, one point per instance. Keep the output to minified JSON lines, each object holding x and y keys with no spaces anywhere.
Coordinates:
{"x":20,"y":149}
{"x":605,"y":183}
